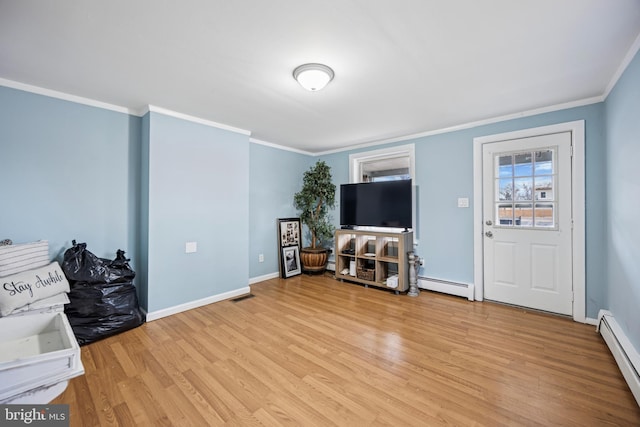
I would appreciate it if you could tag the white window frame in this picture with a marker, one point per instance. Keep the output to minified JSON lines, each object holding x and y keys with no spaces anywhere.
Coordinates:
{"x":356,"y":160}
{"x":407,"y":150}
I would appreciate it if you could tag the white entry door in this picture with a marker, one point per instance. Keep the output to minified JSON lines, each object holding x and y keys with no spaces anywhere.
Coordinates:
{"x":528,"y":223}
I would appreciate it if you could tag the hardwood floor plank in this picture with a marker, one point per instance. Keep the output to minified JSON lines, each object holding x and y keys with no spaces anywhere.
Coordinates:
{"x":153,"y":367}
{"x":243,"y":378}
{"x":333,"y":390}
{"x":143,"y":411}
{"x":239,"y":387}
{"x":219,"y":398}
{"x":289,"y":409}
{"x":266,"y":419}
{"x":185,"y":405}
{"x":82,"y":412}
{"x":310,"y":351}
{"x":176,"y":415}
{"x":196,"y":352}
{"x":124,"y":359}
{"x":123,"y":415}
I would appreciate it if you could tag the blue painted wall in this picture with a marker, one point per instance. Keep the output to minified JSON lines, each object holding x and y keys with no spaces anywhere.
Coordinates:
{"x":623,"y":201}
{"x":444,"y":172}
{"x":198,"y":187}
{"x":69,"y":171}
{"x":275,"y":176}
{"x":148,"y":185}
{"x":145,"y":185}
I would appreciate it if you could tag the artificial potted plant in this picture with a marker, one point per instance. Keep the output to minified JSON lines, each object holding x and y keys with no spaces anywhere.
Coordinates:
{"x":317,"y":196}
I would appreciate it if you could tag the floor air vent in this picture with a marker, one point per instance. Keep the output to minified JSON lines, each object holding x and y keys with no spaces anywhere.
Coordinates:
{"x":242,"y":298}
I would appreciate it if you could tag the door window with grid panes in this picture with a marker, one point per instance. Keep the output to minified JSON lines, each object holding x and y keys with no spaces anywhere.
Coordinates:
{"x":525,"y":189}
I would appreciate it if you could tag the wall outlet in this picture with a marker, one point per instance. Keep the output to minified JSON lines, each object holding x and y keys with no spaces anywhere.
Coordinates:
{"x":190,"y":247}
{"x":463,"y":202}
{"x":261,"y":258}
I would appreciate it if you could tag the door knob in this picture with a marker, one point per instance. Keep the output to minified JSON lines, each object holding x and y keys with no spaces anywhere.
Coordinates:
{"x":489,"y":222}
{"x":488,"y":234}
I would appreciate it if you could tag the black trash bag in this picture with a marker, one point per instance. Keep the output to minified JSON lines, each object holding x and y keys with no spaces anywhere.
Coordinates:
{"x":80,"y":265}
{"x":99,"y":311}
{"x":96,"y":309}
{"x":96,"y":300}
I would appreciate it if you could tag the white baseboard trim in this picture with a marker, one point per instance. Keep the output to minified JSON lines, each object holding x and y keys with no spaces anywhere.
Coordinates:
{"x":591,"y":321}
{"x":625,"y":354}
{"x":158,"y":314}
{"x":264,"y":277}
{"x":452,"y":288}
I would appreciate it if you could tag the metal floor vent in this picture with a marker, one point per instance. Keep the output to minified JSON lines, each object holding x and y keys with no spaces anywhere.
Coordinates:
{"x":242,"y":298}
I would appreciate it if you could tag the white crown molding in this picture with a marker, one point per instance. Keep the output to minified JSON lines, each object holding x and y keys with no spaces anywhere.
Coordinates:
{"x":528,"y":113}
{"x":99,"y":104}
{"x":635,"y":46}
{"x":280,"y":147}
{"x":141,"y":112}
{"x":64,"y":96}
{"x":166,"y":112}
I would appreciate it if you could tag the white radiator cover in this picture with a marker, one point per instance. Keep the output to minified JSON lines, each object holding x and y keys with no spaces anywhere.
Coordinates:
{"x":625,"y":354}
{"x":452,"y":288}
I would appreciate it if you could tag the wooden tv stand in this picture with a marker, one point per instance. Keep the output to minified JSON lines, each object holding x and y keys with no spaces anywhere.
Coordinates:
{"x":377,"y":256}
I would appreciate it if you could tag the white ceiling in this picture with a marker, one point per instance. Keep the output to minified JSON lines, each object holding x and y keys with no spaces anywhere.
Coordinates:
{"x":401,"y":67}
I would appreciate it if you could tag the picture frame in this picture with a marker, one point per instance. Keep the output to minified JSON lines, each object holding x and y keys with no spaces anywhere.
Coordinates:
{"x":289,"y":232}
{"x":291,"y":261}
{"x":289,"y":236}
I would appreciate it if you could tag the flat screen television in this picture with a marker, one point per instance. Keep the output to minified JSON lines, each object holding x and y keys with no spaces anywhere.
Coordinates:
{"x":377,"y":204}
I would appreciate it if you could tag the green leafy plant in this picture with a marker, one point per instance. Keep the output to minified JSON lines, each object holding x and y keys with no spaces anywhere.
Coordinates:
{"x":317,"y":196}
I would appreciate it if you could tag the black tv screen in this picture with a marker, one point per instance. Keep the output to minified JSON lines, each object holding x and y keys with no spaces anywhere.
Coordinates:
{"x":377,"y":204}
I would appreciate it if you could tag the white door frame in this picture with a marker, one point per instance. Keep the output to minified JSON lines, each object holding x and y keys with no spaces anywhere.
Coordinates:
{"x":577,"y":207}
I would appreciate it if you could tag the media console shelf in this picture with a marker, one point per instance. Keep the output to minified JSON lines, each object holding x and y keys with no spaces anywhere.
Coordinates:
{"x":380,"y":259}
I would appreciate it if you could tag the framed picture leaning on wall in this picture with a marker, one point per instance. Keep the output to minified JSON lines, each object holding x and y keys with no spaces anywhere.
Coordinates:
{"x":289,"y":236}
{"x":291,"y":261}
{"x":289,"y":232}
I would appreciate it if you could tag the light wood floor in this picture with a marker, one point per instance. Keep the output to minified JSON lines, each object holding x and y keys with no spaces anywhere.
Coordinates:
{"x":314,"y":351}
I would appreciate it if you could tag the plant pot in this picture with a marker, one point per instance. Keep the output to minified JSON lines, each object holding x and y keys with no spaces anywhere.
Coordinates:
{"x":314,"y":260}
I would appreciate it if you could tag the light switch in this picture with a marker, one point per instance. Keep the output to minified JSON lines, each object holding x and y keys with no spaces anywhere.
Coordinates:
{"x":463,"y":202}
{"x":191,"y":247}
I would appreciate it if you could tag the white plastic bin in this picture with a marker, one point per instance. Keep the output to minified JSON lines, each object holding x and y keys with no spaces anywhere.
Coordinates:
{"x":36,"y":351}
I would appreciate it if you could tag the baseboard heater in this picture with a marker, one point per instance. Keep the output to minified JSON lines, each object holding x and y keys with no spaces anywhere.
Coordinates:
{"x":625,"y":354}
{"x":452,"y":288}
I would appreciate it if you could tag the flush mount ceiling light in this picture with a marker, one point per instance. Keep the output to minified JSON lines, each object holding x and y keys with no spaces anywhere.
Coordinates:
{"x":313,"y":77}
